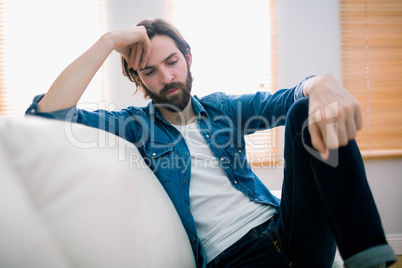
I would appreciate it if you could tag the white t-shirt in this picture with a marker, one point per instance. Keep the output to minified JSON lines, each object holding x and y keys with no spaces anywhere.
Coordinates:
{"x":222,"y":213}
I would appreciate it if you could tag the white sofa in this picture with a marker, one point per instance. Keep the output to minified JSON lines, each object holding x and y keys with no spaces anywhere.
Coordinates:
{"x":74,"y":196}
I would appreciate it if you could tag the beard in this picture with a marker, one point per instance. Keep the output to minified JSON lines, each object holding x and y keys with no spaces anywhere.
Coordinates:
{"x":178,"y":101}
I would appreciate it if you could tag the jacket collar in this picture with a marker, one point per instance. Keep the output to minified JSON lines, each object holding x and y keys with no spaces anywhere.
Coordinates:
{"x":197,"y":106}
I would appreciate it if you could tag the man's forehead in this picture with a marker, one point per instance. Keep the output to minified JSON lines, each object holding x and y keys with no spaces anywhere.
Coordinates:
{"x":162,"y":47}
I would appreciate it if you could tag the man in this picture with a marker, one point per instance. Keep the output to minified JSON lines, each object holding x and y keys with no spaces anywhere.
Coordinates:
{"x":196,"y":149}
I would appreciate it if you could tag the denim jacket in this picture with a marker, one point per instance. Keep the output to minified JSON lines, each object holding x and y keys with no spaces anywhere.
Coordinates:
{"x":223,"y":121}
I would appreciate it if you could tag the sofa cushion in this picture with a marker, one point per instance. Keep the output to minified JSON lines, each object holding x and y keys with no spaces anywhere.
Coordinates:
{"x":85,"y":198}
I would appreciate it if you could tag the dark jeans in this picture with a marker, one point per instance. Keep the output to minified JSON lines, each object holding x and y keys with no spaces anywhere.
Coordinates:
{"x":324,"y":204}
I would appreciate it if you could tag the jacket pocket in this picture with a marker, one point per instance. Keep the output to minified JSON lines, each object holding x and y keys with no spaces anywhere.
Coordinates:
{"x":238,"y":157}
{"x":160,"y":158}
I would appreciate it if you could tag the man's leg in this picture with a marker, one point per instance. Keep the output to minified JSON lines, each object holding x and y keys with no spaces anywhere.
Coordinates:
{"x":324,"y":202}
{"x":256,"y":249}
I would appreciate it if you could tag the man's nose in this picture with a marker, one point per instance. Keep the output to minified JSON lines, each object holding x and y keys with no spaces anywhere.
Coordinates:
{"x":166,"y":77}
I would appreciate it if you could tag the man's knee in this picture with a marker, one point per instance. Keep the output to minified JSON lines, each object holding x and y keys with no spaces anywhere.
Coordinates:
{"x":298,"y":113}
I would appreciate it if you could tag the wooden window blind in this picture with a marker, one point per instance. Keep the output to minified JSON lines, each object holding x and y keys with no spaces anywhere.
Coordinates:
{"x":38,"y":39}
{"x":371,"y":34}
{"x":221,"y":36}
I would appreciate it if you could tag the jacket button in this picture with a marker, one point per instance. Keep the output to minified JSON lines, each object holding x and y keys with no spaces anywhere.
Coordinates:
{"x":193,"y":240}
{"x":207,"y":136}
{"x":185,"y":182}
{"x":235,"y":182}
{"x":153,"y":154}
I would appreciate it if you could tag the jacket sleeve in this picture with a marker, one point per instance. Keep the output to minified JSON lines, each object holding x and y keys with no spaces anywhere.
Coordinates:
{"x":122,"y":123}
{"x":263,"y":110}
{"x":69,"y":114}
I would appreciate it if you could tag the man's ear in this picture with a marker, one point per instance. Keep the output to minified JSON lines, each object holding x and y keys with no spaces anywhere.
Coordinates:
{"x":189,"y":57}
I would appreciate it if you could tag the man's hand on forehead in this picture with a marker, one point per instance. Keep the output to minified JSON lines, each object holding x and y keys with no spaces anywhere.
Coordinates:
{"x":133,"y":44}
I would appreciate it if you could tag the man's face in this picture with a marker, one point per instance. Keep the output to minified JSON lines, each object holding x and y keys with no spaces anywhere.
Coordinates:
{"x":166,"y":78}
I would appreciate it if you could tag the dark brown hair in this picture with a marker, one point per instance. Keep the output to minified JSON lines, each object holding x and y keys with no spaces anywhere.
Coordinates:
{"x":156,"y":27}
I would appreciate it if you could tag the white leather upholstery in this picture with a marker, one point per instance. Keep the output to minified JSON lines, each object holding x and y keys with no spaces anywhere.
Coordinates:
{"x":74,"y":196}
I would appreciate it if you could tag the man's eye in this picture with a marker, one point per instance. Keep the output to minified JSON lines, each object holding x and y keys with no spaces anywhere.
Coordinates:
{"x":149,"y":72}
{"x":172,"y":62}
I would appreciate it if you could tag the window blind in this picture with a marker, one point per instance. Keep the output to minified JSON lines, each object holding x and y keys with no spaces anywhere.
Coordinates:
{"x":371,"y":34}
{"x":233,"y":44}
{"x":38,"y":39}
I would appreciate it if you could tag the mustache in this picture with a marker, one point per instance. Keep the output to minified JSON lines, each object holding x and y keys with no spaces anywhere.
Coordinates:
{"x":172,"y":85}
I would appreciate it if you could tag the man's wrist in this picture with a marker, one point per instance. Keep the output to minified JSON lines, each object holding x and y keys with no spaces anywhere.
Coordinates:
{"x":307,"y":86}
{"x":300,"y":89}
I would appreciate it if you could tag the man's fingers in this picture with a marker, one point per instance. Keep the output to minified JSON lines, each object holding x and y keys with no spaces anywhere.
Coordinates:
{"x":130,"y":57}
{"x":340,"y":129}
{"x":332,"y":139}
{"x":349,"y":121}
{"x":137,"y":56}
{"x":358,"y":117}
{"x":351,"y":127}
{"x":317,"y":140}
{"x":141,"y":54}
{"x":146,"y":52}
